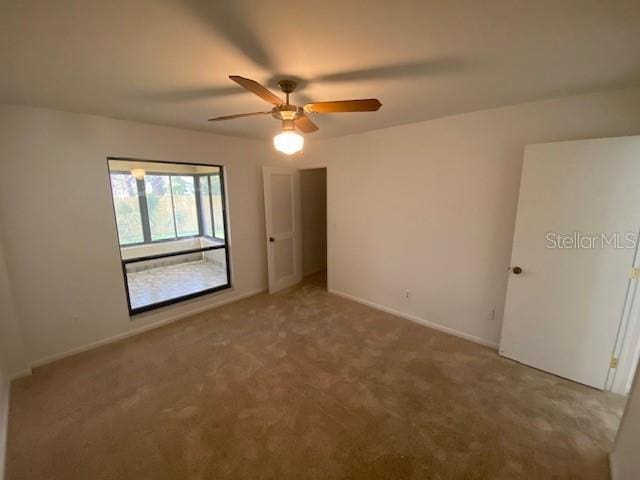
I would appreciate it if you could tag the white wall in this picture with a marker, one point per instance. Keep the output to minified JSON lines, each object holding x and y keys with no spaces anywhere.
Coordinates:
{"x":625,"y":461}
{"x":314,"y":220}
{"x":430,"y":207}
{"x":59,"y":230}
{"x":12,"y":360}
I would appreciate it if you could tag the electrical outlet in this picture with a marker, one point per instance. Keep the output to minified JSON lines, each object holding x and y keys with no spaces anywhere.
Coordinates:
{"x":492,"y":314}
{"x":407,"y":294}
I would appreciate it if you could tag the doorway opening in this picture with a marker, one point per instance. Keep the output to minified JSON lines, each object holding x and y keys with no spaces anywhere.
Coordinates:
{"x":313,"y":184}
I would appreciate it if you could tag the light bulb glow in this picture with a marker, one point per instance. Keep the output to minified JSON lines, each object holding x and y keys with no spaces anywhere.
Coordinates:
{"x":288,"y":142}
{"x":138,"y":173}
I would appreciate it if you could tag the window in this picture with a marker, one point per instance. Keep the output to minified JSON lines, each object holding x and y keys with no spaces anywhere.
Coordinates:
{"x":125,"y":202}
{"x":173,"y":211}
{"x":184,"y":205}
{"x":162,"y":223}
{"x":170,"y":219}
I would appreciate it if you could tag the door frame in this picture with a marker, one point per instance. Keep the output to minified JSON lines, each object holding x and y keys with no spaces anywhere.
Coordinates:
{"x":627,"y":343}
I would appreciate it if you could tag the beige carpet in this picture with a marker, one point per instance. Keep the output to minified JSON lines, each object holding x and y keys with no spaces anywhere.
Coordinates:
{"x":303,"y":385}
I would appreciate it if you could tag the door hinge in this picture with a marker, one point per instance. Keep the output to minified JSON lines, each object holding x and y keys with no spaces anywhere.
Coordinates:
{"x":613,"y":363}
{"x":635,"y":273}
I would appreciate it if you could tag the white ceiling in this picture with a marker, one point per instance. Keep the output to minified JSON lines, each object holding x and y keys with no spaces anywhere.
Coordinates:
{"x":167,"y":61}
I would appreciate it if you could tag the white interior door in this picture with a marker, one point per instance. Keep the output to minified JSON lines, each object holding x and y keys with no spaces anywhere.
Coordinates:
{"x":563,"y":310}
{"x":283,"y":215}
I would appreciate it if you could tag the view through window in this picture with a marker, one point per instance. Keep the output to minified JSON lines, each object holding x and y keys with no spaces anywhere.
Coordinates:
{"x":171,"y":225}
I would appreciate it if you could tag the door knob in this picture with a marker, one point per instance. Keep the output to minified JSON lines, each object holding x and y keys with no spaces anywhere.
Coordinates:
{"x":516,"y":270}
{"x":271,"y":239}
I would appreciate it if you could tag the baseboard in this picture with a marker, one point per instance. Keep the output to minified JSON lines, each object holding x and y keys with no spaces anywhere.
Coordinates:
{"x":136,"y":331}
{"x":421,"y":321}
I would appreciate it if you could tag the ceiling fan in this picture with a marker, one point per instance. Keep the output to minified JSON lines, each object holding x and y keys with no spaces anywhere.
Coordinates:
{"x":293,"y":116}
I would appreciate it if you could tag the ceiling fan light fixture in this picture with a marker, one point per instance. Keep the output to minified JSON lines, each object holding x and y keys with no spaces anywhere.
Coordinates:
{"x":288,"y":142}
{"x":138,"y":173}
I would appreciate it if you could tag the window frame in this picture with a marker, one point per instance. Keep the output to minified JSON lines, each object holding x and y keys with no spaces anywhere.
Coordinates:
{"x":144,"y":213}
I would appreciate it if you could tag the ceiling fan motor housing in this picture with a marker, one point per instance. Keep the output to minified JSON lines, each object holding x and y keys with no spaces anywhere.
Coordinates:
{"x":287,"y":86}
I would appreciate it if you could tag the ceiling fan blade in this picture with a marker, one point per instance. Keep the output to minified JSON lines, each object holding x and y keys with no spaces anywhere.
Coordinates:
{"x":365,"y":105}
{"x":256,"y":88}
{"x":239,"y":115}
{"x":305,"y":125}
